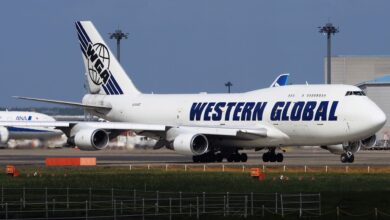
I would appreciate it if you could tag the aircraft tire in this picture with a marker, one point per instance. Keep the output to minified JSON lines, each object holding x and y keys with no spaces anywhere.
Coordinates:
{"x":279,"y":157}
{"x":351,"y":159}
{"x":344,"y":158}
{"x":236,"y":158}
{"x":219,"y":157}
{"x":272,"y":158}
{"x":196,"y":159}
{"x":266,"y":157}
{"x":230,"y":158}
{"x":244,"y":157}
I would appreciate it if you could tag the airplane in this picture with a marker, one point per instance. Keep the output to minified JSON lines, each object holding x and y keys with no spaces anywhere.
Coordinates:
{"x":213,"y":127}
{"x":21,"y":133}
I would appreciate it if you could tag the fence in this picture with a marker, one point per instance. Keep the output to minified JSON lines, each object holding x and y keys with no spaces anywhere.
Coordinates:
{"x":90,"y":203}
{"x":269,"y":168}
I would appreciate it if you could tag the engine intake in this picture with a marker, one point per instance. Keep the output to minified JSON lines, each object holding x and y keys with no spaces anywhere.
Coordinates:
{"x":191,"y":144}
{"x":369,"y":142}
{"x":90,"y":139}
{"x":4,"y":135}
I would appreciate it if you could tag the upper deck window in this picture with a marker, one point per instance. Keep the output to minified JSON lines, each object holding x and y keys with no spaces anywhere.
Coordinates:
{"x":358,"y":93}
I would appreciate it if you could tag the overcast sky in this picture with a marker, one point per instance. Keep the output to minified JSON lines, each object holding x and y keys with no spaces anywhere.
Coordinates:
{"x":180,"y":46}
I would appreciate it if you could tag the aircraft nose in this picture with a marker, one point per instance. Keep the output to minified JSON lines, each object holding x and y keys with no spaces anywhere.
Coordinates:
{"x":377,"y":118}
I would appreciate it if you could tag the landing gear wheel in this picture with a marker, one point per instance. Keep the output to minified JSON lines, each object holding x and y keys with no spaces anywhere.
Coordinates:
{"x":344,"y":158}
{"x":266,"y":157}
{"x":244,"y":157}
{"x":219,"y":157}
{"x":272,"y":158}
{"x":279,"y":157}
{"x":236,"y":158}
{"x":230,"y":158}
{"x":196,"y":159}
{"x":351,"y":159}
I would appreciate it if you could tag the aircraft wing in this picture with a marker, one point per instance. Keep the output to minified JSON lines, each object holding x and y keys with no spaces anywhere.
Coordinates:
{"x":246,"y":133}
{"x":74,"y":104}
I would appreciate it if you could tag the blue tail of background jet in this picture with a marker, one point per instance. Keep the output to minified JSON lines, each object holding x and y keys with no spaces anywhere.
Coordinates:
{"x":281,"y":80}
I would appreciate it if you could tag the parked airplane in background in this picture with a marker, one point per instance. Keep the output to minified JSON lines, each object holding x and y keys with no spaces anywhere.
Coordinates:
{"x":212,"y":127}
{"x":20,"y":132}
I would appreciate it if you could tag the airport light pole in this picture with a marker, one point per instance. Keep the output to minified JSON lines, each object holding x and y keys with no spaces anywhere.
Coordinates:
{"x":118,"y":35}
{"x":329,"y":30}
{"x":229,"y":84}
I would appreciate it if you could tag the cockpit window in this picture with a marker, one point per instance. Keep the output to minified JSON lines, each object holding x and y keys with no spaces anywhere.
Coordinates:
{"x":357,"y":93}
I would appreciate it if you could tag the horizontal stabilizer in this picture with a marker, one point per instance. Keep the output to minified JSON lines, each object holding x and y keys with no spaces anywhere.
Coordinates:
{"x":74,"y":104}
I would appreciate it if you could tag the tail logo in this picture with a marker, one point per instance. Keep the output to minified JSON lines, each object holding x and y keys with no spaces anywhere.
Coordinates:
{"x":98,"y":63}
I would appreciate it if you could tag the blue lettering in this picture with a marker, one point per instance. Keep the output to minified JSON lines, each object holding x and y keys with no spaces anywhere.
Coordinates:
{"x":247,"y":111}
{"x":321,"y":111}
{"x":285,"y":110}
{"x":217,"y":115}
{"x":209,"y":108}
{"x":229,"y":108}
{"x":258,"y":111}
{"x":276,"y":111}
{"x":296,"y":111}
{"x":332,"y":116}
{"x":196,"y":110}
{"x":237,"y":111}
{"x":308,"y":111}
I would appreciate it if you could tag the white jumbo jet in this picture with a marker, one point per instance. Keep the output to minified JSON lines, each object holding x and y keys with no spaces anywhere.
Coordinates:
{"x":211,"y":127}
{"x":21,"y":133}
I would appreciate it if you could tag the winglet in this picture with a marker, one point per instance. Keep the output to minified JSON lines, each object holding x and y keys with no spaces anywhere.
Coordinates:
{"x":281,"y":80}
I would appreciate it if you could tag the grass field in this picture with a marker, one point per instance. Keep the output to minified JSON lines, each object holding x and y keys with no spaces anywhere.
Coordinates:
{"x":357,"y":193}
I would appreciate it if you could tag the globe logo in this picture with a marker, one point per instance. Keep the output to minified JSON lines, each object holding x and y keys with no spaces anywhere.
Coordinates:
{"x":103,"y":55}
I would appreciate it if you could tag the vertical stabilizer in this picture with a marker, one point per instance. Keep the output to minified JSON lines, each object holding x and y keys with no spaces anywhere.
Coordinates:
{"x":103,"y":72}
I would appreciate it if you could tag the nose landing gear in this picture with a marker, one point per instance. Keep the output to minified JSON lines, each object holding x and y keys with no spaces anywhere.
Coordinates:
{"x":347,"y":157}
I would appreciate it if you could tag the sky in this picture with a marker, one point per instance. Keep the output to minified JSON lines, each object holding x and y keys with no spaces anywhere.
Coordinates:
{"x":182,"y":46}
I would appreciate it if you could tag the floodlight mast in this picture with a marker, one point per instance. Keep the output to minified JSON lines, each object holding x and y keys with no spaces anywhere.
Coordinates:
{"x":329,"y":30}
{"x":229,"y":84}
{"x":118,"y":35}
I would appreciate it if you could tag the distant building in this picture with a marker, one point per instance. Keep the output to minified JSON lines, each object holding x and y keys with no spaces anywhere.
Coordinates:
{"x":371,"y":74}
{"x":352,"y":70}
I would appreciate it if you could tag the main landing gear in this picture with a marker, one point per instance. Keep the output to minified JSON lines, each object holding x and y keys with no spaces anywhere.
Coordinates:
{"x":212,"y":156}
{"x":271,"y":156}
{"x":347,"y":157}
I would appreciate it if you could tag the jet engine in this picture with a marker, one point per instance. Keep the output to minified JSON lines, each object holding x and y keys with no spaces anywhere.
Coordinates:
{"x":339,"y":149}
{"x":4,"y":135}
{"x":369,"y":142}
{"x":90,"y":139}
{"x":191,"y":144}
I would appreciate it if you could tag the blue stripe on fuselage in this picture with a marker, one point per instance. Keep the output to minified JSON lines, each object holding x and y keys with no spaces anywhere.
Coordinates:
{"x":17,"y":129}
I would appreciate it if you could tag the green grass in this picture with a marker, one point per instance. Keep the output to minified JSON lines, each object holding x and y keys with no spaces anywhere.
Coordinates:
{"x":356,"y":193}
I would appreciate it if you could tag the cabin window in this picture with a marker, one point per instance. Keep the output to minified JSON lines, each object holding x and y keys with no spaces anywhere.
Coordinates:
{"x":356,"y":93}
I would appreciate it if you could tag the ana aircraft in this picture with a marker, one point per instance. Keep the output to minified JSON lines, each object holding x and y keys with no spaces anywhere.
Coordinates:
{"x":18,"y":133}
{"x":211,"y":127}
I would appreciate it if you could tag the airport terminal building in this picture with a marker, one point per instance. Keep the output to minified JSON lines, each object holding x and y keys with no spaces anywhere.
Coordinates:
{"x":372,"y":75}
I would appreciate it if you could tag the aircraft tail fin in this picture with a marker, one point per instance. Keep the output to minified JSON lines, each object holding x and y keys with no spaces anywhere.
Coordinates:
{"x":281,"y":80}
{"x":103,"y":72}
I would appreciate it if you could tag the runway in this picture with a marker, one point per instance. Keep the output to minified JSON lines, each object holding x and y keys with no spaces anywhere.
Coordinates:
{"x":138,"y":157}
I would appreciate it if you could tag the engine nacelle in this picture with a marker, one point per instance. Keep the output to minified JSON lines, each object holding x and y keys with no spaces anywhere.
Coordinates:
{"x":4,"y":135}
{"x":90,"y":139}
{"x":334,"y":149}
{"x":191,"y":144}
{"x":369,"y":142}
{"x":352,"y":147}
